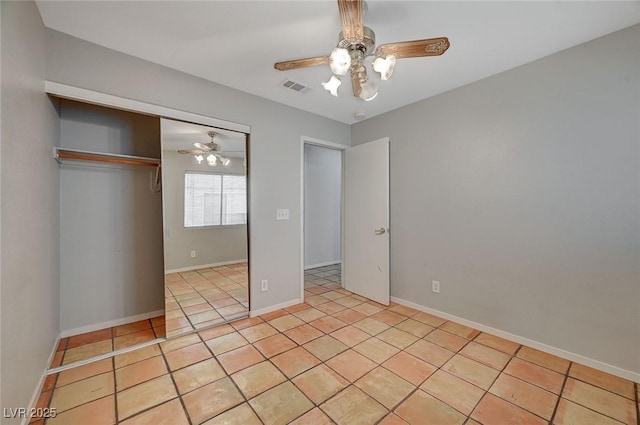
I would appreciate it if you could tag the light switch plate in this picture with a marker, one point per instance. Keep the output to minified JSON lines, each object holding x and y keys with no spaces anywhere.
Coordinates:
{"x":282,"y":214}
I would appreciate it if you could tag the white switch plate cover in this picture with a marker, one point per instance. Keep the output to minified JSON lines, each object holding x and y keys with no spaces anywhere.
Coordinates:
{"x":282,"y":214}
{"x":264,"y":285}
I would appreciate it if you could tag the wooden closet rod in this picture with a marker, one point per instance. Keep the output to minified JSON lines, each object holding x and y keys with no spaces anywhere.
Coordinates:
{"x":85,"y":157}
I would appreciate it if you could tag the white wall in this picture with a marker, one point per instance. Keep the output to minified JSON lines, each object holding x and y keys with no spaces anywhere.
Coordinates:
{"x":275,"y":145}
{"x":213,"y":245}
{"x":111,"y":256}
{"x":322,"y":198}
{"x":29,"y":285}
{"x":521,"y":194}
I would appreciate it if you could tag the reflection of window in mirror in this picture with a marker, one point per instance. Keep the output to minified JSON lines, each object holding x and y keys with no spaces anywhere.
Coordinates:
{"x":212,"y":199}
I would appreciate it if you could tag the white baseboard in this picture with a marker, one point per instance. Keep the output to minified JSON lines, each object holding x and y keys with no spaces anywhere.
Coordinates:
{"x":328,"y":263}
{"x":110,"y":323}
{"x":595,"y":364}
{"x":204,"y":266}
{"x":269,"y":309}
{"x":36,"y":393}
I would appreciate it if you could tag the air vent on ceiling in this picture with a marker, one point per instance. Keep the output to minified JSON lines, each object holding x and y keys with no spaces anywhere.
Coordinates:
{"x":295,"y":86}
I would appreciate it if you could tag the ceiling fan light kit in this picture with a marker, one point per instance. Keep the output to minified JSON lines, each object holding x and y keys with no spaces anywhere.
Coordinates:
{"x":357,"y":43}
{"x":384,"y":66}
{"x":210,"y":148}
{"x":332,"y":85}
{"x":212,"y":160}
{"x":339,"y":61}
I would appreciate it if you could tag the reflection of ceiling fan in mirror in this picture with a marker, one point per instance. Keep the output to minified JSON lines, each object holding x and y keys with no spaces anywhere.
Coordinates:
{"x":356,"y":43}
{"x":209,"y":151}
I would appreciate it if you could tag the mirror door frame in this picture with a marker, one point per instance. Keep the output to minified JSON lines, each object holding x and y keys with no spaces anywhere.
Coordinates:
{"x":66,"y":91}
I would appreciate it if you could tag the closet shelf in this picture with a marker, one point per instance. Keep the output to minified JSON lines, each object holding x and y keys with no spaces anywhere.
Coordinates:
{"x":80,"y":155}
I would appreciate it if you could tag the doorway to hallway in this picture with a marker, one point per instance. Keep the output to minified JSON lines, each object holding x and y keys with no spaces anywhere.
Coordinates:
{"x":322,"y":217}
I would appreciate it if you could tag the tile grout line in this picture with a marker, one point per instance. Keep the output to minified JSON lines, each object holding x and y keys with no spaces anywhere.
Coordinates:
{"x":115,"y":389}
{"x":104,"y":356}
{"x":115,"y":394}
{"x":500,"y":372}
{"x":246,"y":400}
{"x":175,"y":386}
{"x":230,"y":378}
{"x":636,"y":387}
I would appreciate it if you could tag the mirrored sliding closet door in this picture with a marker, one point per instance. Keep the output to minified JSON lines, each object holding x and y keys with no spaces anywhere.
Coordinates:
{"x":204,"y":195}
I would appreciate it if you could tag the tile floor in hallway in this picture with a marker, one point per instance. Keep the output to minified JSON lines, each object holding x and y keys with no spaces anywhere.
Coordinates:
{"x":81,"y":347}
{"x":320,"y":276}
{"x":338,"y":359}
{"x":201,"y":298}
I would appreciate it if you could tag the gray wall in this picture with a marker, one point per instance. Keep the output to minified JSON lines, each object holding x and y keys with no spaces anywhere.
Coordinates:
{"x":521,"y":195}
{"x":111,"y":255}
{"x":29,"y":285}
{"x":275,"y":252}
{"x":322,"y":199}
{"x":213,"y":245}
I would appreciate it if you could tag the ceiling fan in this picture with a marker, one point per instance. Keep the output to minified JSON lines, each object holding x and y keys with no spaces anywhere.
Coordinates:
{"x":357,"y":42}
{"x":211,"y":150}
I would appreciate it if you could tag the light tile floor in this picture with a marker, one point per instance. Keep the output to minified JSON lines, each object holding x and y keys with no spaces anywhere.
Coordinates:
{"x":205,"y":297}
{"x":339,"y":359}
{"x":81,"y":347}
{"x":320,"y":276}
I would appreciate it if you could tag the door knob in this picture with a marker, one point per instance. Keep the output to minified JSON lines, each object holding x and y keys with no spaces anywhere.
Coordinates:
{"x":380,"y":231}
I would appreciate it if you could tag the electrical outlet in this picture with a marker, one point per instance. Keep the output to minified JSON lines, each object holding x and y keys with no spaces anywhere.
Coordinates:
{"x":193,"y":254}
{"x":435,"y":286}
{"x":264,"y":285}
{"x":282,"y":214}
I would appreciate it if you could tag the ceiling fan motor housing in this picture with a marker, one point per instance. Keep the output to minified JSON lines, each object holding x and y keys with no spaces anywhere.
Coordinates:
{"x":358,"y":52}
{"x":365,"y":46}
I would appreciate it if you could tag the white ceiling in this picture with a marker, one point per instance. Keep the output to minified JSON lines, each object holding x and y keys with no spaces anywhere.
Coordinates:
{"x":235,"y":43}
{"x":182,"y":135}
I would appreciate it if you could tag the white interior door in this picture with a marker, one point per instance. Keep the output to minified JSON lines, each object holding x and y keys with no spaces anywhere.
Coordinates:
{"x":366,"y":220}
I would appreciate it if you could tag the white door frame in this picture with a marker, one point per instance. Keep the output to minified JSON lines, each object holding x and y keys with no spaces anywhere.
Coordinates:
{"x":304,"y":140}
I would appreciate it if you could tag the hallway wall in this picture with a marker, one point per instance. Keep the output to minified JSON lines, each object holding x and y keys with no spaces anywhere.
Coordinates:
{"x":322,"y":205}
